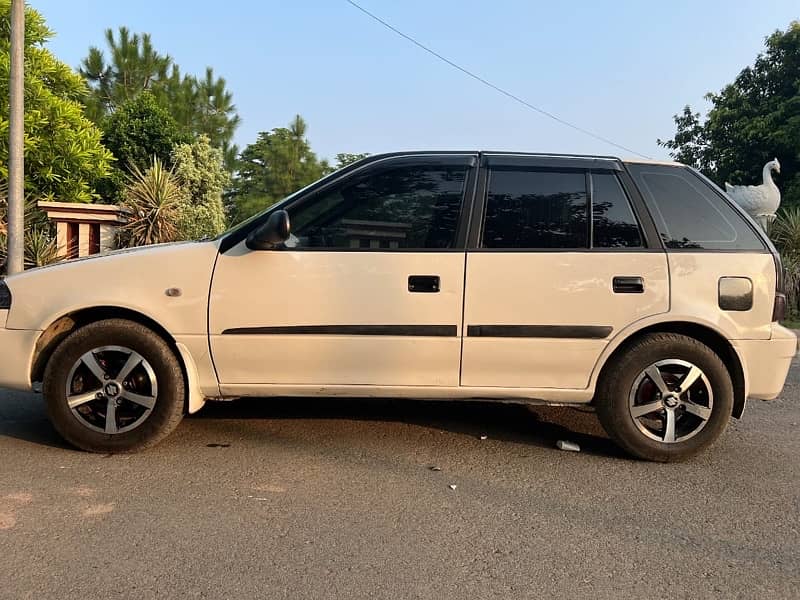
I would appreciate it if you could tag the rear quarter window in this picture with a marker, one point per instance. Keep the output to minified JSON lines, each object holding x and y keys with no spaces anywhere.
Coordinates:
{"x":689,"y":213}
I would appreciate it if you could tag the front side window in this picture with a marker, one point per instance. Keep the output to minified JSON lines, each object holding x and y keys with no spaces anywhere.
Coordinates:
{"x":410,"y":207}
{"x":536,"y":210}
{"x":688,"y":213}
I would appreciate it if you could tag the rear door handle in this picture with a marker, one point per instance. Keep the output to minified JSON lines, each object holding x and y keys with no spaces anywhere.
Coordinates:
{"x":424,"y":284}
{"x":628,"y":285}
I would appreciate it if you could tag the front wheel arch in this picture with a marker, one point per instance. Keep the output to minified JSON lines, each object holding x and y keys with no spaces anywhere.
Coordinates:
{"x":59,"y":329}
{"x":711,"y":338}
{"x":127,"y":400}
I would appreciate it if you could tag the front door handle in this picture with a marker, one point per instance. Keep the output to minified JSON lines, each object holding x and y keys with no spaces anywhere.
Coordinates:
{"x":424,"y":284}
{"x":628,"y":285}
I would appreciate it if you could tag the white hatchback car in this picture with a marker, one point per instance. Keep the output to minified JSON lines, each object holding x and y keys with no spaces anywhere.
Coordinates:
{"x":637,"y":288}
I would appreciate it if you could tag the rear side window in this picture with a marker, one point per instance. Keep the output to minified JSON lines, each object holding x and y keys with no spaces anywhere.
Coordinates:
{"x":613,"y":223}
{"x":689,"y":214}
{"x":549,"y":209}
{"x":536,"y":210}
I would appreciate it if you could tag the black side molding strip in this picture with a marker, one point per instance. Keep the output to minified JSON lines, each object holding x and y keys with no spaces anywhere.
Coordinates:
{"x":397,"y":330}
{"x":594,"y":332}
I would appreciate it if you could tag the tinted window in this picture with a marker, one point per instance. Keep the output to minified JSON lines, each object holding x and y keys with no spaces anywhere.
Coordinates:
{"x":689,"y":213}
{"x":536,"y":209}
{"x":613,"y":223}
{"x":409,"y":207}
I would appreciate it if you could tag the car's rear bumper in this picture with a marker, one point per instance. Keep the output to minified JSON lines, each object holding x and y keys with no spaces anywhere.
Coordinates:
{"x":766,"y":362}
{"x":16,"y":355}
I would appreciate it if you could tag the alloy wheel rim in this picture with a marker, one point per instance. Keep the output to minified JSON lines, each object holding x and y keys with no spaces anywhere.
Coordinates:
{"x":111,"y":389}
{"x":671,"y":401}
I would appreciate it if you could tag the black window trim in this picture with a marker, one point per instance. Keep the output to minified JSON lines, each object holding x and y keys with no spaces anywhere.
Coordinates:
{"x":651,"y":241}
{"x":544,"y":161}
{"x":636,"y":217}
{"x":589,"y":185}
{"x":367,"y":166}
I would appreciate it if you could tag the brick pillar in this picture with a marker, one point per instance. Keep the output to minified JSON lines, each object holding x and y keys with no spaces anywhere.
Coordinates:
{"x":83,"y":239}
{"x":62,"y":239}
{"x":107,"y":237}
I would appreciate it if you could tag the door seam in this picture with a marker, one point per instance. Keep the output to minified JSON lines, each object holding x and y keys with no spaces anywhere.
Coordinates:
{"x":463,"y":320}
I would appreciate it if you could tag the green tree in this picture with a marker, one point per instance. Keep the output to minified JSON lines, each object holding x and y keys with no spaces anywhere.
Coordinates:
{"x":137,"y":131}
{"x":278,"y":163}
{"x":134,"y":67}
{"x":346,"y":158}
{"x":201,"y":106}
{"x":200,"y":170}
{"x":63,"y":150}
{"x":751,"y":121}
{"x":140,"y":129}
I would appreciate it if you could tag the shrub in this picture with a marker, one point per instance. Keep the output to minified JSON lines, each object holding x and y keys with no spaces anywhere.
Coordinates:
{"x":154,"y":199}
{"x":202,"y":176}
{"x":199,"y":221}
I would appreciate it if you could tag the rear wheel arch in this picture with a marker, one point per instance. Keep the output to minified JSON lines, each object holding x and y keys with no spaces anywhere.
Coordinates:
{"x":708,"y":336}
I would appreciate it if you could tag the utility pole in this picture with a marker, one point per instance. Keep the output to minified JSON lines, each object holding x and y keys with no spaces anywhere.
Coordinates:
{"x":16,"y":165}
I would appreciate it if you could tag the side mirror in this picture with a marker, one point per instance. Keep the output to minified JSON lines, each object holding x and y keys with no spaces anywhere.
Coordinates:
{"x":270,"y":235}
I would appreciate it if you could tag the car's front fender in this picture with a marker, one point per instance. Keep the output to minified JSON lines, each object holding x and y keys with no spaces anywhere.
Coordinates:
{"x":167,"y":283}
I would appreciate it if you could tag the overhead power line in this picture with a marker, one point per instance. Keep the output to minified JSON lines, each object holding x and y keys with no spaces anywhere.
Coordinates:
{"x":491,"y":85}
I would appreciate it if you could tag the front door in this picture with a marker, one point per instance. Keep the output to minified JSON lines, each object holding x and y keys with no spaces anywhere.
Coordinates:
{"x":368,"y":290}
{"x":560,"y":264}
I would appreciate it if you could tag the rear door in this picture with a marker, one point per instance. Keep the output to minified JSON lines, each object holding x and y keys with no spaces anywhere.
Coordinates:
{"x":368,"y":290}
{"x":559,"y":263}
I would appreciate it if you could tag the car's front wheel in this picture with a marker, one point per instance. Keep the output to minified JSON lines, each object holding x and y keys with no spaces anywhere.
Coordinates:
{"x":664,"y":398}
{"x":114,"y":386}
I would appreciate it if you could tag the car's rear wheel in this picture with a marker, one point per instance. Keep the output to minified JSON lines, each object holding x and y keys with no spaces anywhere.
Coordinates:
{"x":665,"y":398}
{"x":114,"y":386}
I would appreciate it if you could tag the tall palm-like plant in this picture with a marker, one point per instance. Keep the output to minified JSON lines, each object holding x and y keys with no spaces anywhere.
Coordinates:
{"x":3,"y":252}
{"x":41,"y":248}
{"x":785,"y":232}
{"x":3,"y":212}
{"x":153,"y":198}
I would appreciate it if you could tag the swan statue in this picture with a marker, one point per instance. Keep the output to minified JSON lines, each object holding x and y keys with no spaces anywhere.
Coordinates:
{"x":760,"y":201}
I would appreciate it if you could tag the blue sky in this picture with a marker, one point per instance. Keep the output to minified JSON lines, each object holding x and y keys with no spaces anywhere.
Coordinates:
{"x":620,"y":68}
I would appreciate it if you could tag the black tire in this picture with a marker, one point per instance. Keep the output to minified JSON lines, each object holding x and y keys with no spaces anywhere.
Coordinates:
{"x":166,"y":412}
{"x":618,"y":378}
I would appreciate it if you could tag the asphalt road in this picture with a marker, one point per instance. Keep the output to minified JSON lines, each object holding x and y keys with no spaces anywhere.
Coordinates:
{"x":336,"y":498}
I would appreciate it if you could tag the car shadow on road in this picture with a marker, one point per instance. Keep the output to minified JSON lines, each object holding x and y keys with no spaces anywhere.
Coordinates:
{"x":540,"y":426}
{"x":23,"y":417}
